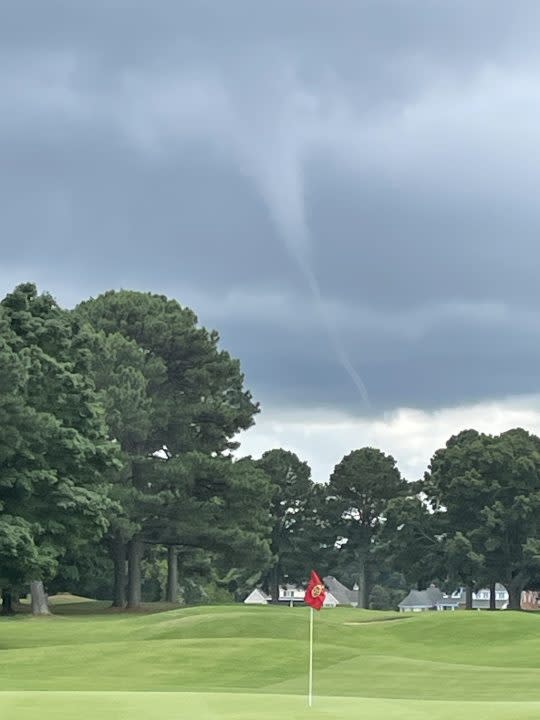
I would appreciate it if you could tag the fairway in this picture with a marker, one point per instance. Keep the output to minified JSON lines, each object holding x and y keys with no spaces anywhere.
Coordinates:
{"x":242,"y":662}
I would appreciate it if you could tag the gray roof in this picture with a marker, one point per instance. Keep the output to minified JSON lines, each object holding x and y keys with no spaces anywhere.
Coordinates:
{"x":431,"y":597}
{"x":343,"y":595}
{"x":417,"y":598}
{"x":435,"y":595}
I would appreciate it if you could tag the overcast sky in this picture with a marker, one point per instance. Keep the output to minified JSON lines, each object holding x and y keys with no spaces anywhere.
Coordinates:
{"x":346,"y":190}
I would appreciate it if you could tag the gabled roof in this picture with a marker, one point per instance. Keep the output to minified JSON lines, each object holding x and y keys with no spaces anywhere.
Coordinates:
{"x":257,"y":597}
{"x":434,"y":594}
{"x":342,"y":594}
{"x":417,"y":598}
{"x":431,"y":597}
{"x":330,"y":600}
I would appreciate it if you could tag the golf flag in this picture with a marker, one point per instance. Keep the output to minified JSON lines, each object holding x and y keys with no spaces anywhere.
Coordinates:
{"x":315,"y":593}
{"x":314,"y":597}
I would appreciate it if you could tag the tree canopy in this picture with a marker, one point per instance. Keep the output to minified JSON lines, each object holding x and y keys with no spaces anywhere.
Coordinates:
{"x":121,"y":476}
{"x":485,"y":492}
{"x":55,"y":457}
{"x":291,"y":511}
{"x":167,"y":386}
{"x":359,"y":491}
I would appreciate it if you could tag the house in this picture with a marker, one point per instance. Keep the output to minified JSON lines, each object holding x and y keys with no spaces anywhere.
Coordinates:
{"x":530,"y":600}
{"x":288,"y":595}
{"x":481,"y":598}
{"x":291,"y":594}
{"x":429,"y":599}
{"x":342,"y":594}
{"x":257,"y":597}
{"x":294,"y":595}
{"x":330,"y":601}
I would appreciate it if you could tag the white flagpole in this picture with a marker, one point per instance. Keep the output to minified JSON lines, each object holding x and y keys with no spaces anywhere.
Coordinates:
{"x":310,"y":691}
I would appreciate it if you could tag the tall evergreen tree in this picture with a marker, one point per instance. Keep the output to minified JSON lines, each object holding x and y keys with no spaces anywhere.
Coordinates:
{"x":291,"y":512}
{"x":358,"y":494}
{"x":54,"y":452}
{"x":485,"y":493}
{"x":187,"y":398}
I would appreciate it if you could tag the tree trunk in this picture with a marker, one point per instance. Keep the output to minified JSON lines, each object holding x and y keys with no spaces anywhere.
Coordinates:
{"x":119,"y":559}
{"x":274,"y":584}
{"x":514,"y":599}
{"x":468,"y":598}
{"x":172,"y":574}
{"x":492,"y":596}
{"x":135,"y":553}
{"x":363,"y":589}
{"x":40,"y":602}
{"x":7,"y":603}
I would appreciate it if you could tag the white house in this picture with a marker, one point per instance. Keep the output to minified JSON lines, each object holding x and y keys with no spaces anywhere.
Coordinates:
{"x":294,"y":595}
{"x":330,"y":601}
{"x":481,"y":598}
{"x":257,"y":597}
{"x":288,"y":595}
{"x":291,"y":594}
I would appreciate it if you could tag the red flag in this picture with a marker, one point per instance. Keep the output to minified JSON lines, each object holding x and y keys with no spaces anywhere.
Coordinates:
{"x":315,"y":593}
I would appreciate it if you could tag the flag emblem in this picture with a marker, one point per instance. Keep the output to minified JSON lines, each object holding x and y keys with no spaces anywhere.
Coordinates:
{"x":315,"y":593}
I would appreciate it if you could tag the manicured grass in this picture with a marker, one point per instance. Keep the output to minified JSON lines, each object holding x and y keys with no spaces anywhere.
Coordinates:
{"x":234,"y":706}
{"x":61,"y":599}
{"x":66,"y":604}
{"x":250,"y":662}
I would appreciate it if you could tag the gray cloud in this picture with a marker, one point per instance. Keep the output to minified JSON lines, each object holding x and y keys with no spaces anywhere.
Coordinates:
{"x":211,"y":152}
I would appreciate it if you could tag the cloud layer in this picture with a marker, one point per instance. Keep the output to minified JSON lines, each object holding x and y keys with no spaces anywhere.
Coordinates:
{"x":411,"y":436}
{"x":339,"y":189}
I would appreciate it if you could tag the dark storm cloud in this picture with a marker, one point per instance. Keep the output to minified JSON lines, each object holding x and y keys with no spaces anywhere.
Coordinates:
{"x":201,"y":148}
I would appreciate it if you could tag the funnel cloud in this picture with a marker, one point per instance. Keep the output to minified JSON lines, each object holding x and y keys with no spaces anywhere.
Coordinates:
{"x":346,"y":191}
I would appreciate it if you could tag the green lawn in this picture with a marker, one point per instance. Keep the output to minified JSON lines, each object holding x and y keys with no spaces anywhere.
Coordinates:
{"x":242,"y":662}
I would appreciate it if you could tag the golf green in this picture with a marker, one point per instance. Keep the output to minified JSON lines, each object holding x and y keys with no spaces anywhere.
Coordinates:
{"x":251,"y":662}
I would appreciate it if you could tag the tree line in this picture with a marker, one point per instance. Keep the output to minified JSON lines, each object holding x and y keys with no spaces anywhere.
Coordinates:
{"x":120,"y":476}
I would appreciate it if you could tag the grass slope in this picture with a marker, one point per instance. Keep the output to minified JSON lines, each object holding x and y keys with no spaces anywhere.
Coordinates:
{"x":250,"y":662}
